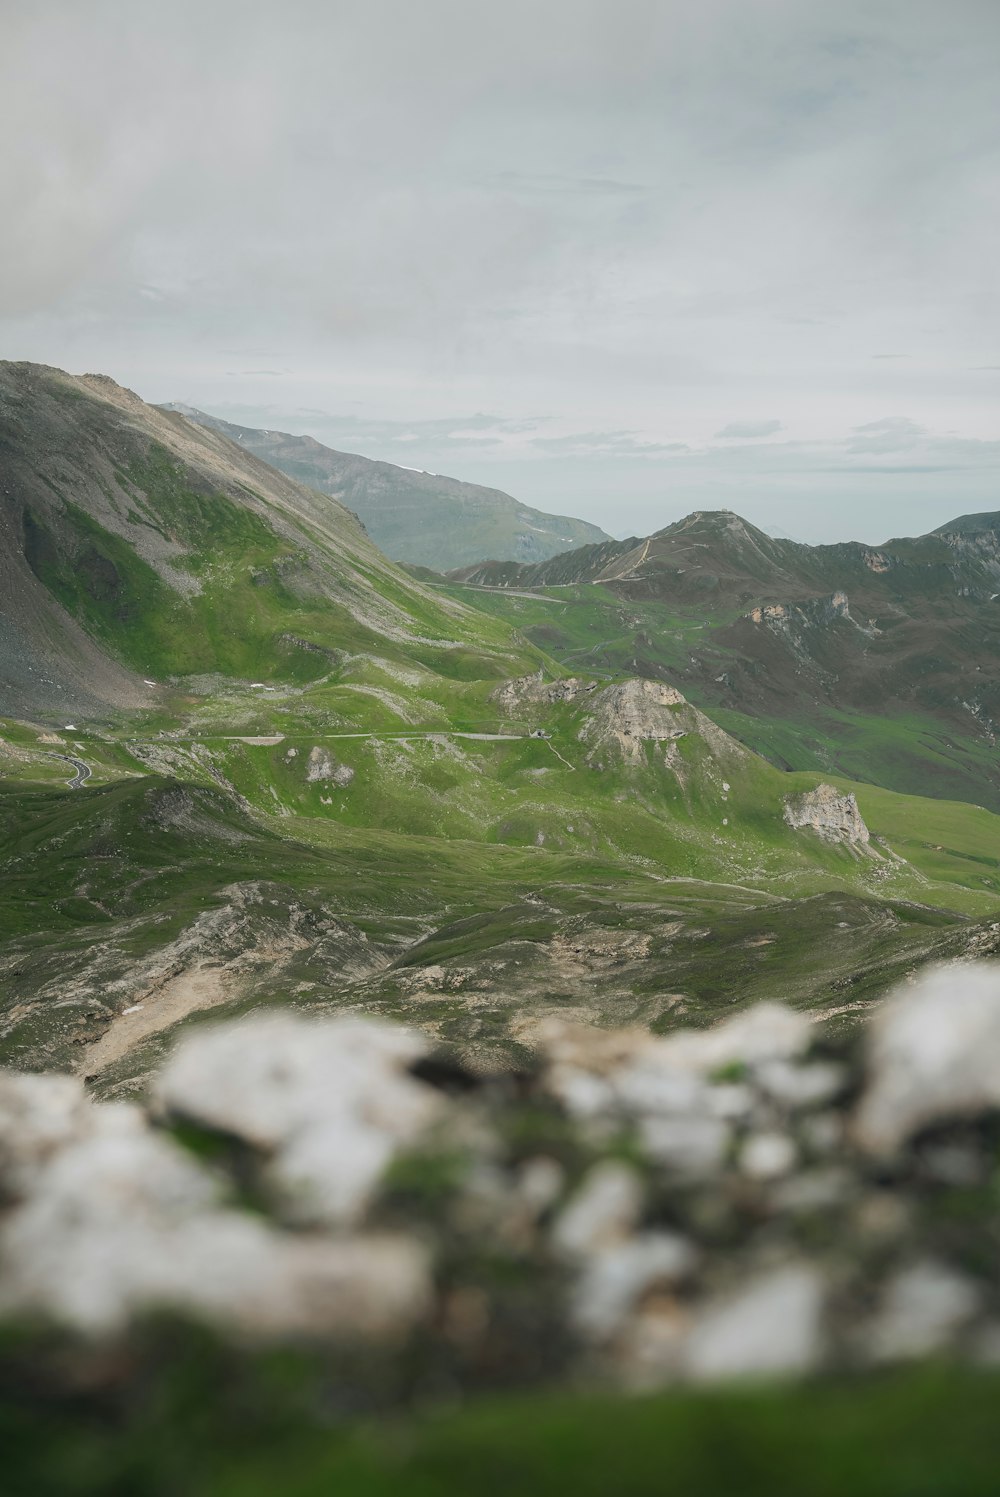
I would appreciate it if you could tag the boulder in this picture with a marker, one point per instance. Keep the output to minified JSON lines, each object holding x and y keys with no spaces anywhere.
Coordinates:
{"x":829,"y":813}
{"x":933,"y":1054}
{"x":321,"y":767}
{"x":329,"y":1101}
{"x":769,"y":1327}
{"x":603,"y":1211}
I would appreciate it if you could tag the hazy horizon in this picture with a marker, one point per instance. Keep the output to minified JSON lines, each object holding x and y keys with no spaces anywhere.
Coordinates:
{"x":621,"y":261}
{"x":307,"y":431}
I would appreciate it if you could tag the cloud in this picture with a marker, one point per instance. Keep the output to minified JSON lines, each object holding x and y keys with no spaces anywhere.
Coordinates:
{"x":638,"y":218}
{"x":750,"y":429}
{"x":890,"y":434}
{"x":605,"y":444}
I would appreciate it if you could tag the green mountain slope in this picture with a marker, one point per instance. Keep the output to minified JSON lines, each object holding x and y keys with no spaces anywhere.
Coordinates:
{"x":138,"y":545}
{"x":301,"y":776}
{"x":879,"y":663}
{"x":426,"y":519}
{"x":626,"y":869}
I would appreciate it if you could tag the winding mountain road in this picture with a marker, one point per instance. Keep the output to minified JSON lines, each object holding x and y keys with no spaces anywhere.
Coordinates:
{"x":81,"y":771}
{"x":272,"y":739}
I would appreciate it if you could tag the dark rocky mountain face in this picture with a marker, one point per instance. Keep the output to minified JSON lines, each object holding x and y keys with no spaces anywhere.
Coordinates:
{"x":426,"y":519}
{"x":802,"y":632}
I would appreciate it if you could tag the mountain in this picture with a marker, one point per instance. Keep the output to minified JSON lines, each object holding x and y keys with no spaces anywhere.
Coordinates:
{"x":882,"y":662}
{"x":296,"y":775}
{"x":137,"y":547}
{"x":423,"y":518}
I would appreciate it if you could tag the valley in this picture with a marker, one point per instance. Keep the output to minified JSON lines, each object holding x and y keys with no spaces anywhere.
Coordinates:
{"x":247,"y":761}
{"x":499,"y":750}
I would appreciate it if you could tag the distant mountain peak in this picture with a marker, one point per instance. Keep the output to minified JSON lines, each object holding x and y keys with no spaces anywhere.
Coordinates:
{"x":970,"y":524}
{"x":422,"y":518}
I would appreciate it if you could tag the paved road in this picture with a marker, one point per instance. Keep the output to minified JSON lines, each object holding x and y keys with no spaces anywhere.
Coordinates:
{"x":82,"y":772}
{"x":386,"y":733}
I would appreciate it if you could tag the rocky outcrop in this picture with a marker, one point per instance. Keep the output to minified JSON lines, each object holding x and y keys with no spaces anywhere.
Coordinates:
{"x":634,"y":712}
{"x":794,"y":621}
{"x":935,"y":1050}
{"x":622,"y":718}
{"x":110,"y":1217}
{"x":627,"y":716}
{"x":321,"y":766}
{"x":830,"y":813}
{"x":784,"y":1208}
{"x":534,"y":692}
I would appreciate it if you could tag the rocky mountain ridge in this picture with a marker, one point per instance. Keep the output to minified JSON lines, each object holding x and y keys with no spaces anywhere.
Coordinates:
{"x":128,"y":531}
{"x":426,"y":519}
{"x":903,"y":640}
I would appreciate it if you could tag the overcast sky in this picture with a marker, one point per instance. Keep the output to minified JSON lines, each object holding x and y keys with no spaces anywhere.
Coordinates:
{"x":624,"y":258}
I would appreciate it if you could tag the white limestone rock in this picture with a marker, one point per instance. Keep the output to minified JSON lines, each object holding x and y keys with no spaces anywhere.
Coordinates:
{"x":635,"y":712}
{"x":769,"y":1327}
{"x":829,"y":813}
{"x":603,"y":1210}
{"x":766,"y":1032}
{"x":535,"y":692}
{"x":691,"y":1146}
{"x":923,"y":1308}
{"x":795,"y":1087}
{"x":733,"y":1101}
{"x":933,"y":1054}
{"x":38,"y":1115}
{"x":583,"y":1061}
{"x":330,"y":1100}
{"x":322,"y":766}
{"x":768,"y":1156}
{"x":614,"y":1281}
{"x":118,"y":1219}
{"x":649,"y":1085}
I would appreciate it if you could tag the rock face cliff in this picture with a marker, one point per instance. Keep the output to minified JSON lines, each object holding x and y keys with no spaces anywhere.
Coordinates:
{"x":627,"y":716}
{"x":622,"y":718}
{"x":830,"y":814}
{"x":529,"y":693}
{"x":636,"y":712}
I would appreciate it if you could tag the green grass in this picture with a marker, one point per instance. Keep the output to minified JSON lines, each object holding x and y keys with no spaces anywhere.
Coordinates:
{"x":470,"y":854}
{"x":592,"y":630}
{"x":125,"y":868}
{"x":183,"y":1415}
{"x":261,"y":604}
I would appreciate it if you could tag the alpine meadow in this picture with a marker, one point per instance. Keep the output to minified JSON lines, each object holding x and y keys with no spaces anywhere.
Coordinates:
{"x":499,"y":973}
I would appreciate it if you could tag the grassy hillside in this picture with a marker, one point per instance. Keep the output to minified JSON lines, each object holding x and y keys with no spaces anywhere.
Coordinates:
{"x":303,"y":776}
{"x":206,"y":1421}
{"x":172,"y":554}
{"x":427,"y":519}
{"x":784,"y":697}
{"x":470,"y":884}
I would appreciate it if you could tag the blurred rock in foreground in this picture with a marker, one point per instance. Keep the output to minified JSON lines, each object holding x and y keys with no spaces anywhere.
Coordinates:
{"x":742,"y":1201}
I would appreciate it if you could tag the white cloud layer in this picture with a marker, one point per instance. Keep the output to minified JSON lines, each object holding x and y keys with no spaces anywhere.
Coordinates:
{"x":741,"y":253}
